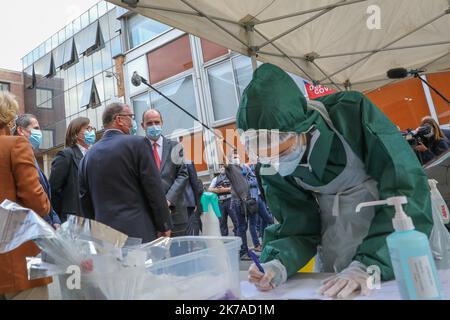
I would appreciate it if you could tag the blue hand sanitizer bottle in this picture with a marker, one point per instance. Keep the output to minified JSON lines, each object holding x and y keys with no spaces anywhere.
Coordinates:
{"x":414,"y":267}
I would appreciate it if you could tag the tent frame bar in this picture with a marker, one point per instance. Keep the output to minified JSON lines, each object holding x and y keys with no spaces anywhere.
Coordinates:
{"x":338,"y":4}
{"x":395,"y":80}
{"x":360,"y":52}
{"x":382,"y":50}
{"x":287,"y":57}
{"x":326,"y":75}
{"x":389,"y":44}
{"x":215,"y":23}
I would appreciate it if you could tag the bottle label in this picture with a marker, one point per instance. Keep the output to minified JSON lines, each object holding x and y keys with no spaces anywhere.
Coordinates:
{"x":423,"y":277}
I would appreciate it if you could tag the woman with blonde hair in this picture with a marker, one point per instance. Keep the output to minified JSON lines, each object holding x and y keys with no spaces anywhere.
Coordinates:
{"x":434,"y":143}
{"x":19,"y":183}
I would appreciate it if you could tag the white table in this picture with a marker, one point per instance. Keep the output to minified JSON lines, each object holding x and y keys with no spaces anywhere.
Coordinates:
{"x":304,"y":287}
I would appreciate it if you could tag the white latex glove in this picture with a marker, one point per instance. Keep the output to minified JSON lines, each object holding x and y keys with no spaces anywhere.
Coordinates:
{"x":275,"y":274}
{"x":344,"y":284}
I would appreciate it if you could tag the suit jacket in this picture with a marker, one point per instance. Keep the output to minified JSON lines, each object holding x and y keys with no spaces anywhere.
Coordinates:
{"x":120,"y":186}
{"x":19,"y":182}
{"x":52,"y":218}
{"x":64,"y":181}
{"x":193,"y":191}
{"x":174,"y":178}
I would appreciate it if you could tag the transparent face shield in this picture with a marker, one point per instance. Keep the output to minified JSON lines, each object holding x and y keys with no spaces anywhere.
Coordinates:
{"x":267,"y":146}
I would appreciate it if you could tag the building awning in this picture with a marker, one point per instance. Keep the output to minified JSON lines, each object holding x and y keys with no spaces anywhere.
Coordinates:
{"x":45,"y":67}
{"x":343,"y":44}
{"x":90,"y":97}
{"x":65,"y":54}
{"x":89,"y":39}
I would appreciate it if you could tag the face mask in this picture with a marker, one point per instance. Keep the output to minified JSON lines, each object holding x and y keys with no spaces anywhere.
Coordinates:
{"x":154,"y":132}
{"x":236,"y":161}
{"x":133,"y":129}
{"x":89,"y":137}
{"x":288,"y":163}
{"x":35,"y":138}
{"x":431,"y":134}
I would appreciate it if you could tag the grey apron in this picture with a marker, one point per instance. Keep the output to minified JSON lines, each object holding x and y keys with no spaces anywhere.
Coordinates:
{"x":343,"y":230}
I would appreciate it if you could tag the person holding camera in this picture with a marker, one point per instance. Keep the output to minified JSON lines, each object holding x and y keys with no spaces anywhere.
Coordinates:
{"x":434,"y":142}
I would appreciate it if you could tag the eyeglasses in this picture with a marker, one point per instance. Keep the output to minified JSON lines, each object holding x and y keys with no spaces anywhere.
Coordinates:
{"x":91,"y":129}
{"x":126,"y":115}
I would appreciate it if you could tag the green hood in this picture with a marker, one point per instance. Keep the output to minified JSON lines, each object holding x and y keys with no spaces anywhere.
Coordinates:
{"x":273,"y":100}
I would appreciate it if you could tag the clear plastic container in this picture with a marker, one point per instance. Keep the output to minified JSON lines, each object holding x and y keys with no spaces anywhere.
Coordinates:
{"x":195,"y":268}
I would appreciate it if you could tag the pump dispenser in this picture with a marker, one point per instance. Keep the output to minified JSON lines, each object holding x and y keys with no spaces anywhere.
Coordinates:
{"x":414,"y":267}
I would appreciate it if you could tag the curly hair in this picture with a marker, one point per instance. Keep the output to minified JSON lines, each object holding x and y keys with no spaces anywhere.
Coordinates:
{"x":8,"y":108}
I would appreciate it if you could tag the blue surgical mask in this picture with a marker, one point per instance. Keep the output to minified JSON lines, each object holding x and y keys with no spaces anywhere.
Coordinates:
{"x":35,"y":138}
{"x":154,"y":132}
{"x":89,"y":137}
{"x":134,"y":128}
{"x":288,"y":163}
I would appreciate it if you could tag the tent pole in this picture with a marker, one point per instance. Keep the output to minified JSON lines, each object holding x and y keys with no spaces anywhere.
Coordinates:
{"x":253,"y":51}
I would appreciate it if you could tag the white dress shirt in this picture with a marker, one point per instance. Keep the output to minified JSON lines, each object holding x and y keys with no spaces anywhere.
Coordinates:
{"x":82,"y":149}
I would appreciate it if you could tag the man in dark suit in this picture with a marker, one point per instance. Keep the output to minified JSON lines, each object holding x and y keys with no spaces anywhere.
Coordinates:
{"x":27,"y":126}
{"x":194,"y":190}
{"x":169,"y":159}
{"x":120,"y":185}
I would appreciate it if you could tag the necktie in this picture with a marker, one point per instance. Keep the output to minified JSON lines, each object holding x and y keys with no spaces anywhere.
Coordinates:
{"x":157,"y":158}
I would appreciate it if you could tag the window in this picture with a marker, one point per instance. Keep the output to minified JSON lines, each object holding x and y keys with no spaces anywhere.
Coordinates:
{"x":142,"y":29}
{"x":4,"y":86}
{"x":93,"y":14}
{"x":97,"y":62}
{"x":109,"y":83}
{"x":90,"y":97}
{"x":182,"y":92}
{"x":99,"y":84}
{"x":104,"y":26}
{"x":106,"y":56}
{"x":116,"y":46}
{"x":65,"y":55}
{"x":140,"y":105}
{"x":114,"y":24}
{"x":55,"y":41}
{"x":47,"y":140}
{"x":139,"y":65}
{"x":89,"y":40}
{"x":223,"y":92}
{"x":76,"y":25}
{"x":88,"y":69}
{"x":80,"y":71}
{"x":300,"y":82}
{"x":102,"y":8}
{"x":211,"y":50}
{"x":242,"y":66}
{"x":71,"y":77}
{"x":44,"y":98}
{"x":169,"y":60}
{"x":84,"y":20}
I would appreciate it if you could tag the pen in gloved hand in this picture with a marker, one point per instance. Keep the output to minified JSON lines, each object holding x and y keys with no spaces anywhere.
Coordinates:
{"x":255,"y":259}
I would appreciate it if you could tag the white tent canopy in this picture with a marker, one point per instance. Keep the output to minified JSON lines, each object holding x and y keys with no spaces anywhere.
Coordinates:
{"x":344,"y":44}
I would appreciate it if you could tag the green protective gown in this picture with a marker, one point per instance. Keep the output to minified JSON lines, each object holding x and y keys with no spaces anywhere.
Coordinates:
{"x":273,"y":101}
